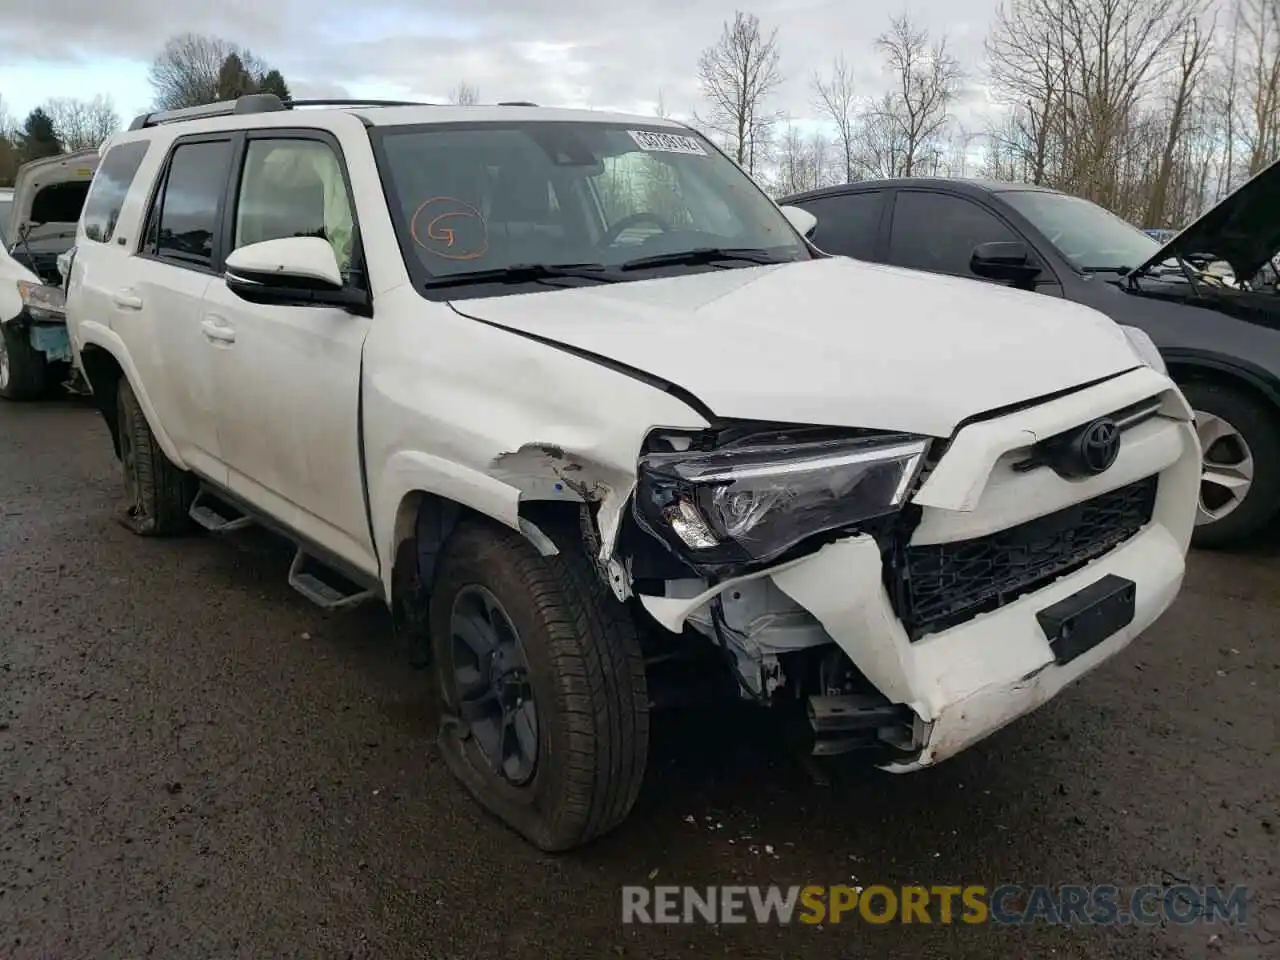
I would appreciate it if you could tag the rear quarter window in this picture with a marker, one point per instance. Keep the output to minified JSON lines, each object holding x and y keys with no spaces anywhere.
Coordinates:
{"x":110,"y":186}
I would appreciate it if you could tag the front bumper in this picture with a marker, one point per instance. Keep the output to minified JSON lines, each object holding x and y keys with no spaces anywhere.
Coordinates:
{"x":970,"y":679}
{"x":967,"y":682}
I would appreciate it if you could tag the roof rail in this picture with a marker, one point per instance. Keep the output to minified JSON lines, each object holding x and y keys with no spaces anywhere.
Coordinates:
{"x":516,"y":103}
{"x":356,"y":103}
{"x":250,"y":103}
{"x":253,"y":103}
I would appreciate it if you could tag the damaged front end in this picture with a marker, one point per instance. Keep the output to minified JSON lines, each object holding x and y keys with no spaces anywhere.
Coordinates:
{"x":711,"y":519}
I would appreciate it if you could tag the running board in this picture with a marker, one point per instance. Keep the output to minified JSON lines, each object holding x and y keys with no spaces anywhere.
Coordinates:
{"x":216,"y":516}
{"x":322,"y":585}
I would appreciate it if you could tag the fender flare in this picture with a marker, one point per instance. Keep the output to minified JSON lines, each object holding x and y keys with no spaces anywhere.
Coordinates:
{"x":410,"y":472}
{"x":1265,"y":383}
{"x":91,"y":333}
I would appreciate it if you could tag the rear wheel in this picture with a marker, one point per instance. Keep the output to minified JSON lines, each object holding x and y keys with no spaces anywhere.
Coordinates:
{"x":159,"y":494}
{"x":545,"y":711}
{"x":23,"y":369}
{"x":1240,"y":444}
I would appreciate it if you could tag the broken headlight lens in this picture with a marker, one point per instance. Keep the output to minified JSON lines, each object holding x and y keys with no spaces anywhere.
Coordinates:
{"x":749,"y":504}
{"x":42,"y":302}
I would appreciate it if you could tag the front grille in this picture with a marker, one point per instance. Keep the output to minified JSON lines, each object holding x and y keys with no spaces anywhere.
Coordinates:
{"x":937,"y":586}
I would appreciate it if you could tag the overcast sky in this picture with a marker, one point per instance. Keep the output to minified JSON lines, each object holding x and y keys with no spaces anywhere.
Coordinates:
{"x":561,"y":52}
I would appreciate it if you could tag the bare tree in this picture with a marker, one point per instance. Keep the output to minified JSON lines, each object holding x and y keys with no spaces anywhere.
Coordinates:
{"x":464,"y":95}
{"x":83,"y":124}
{"x":737,"y":75}
{"x":801,"y":160}
{"x":837,"y":99}
{"x":1260,"y":27}
{"x":903,"y":127}
{"x":1193,"y":53}
{"x":186,"y":71}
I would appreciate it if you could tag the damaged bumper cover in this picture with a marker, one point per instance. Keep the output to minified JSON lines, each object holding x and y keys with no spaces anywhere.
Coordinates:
{"x":1014,"y":582}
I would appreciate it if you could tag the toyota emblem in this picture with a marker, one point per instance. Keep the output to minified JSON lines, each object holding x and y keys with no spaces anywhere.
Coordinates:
{"x":1098,"y":446}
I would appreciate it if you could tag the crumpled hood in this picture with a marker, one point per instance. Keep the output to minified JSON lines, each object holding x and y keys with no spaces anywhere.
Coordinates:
{"x":832,"y":341}
{"x":34,"y":176}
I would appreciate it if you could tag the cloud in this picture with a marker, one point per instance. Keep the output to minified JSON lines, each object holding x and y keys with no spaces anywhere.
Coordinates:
{"x":564,"y":52}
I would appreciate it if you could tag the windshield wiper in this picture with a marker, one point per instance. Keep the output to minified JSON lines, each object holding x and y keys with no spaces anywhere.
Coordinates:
{"x":525,"y":273}
{"x":699,"y":256}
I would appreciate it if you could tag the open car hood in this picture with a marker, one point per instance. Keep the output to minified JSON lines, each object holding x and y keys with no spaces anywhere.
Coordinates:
{"x":1243,"y":229}
{"x":35,"y":176}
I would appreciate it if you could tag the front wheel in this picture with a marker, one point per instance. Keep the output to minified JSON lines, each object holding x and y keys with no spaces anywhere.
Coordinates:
{"x":1240,"y":444}
{"x":545,"y":710}
{"x":23,"y":370}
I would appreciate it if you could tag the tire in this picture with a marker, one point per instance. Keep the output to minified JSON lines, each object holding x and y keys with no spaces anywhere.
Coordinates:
{"x":23,"y":370}
{"x":585,"y":673}
{"x":1254,"y":423}
{"x":160,"y":495}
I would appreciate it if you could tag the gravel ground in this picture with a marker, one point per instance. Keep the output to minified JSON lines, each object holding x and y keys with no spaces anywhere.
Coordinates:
{"x":196,"y":763}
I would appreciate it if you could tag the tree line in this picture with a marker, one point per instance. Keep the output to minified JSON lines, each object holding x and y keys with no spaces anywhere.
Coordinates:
{"x":189,"y":70}
{"x":1155,"y":109}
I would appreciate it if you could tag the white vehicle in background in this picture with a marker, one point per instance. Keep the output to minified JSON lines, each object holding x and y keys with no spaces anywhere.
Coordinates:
{"x":37,"y":225}
{"x":902,"y":509}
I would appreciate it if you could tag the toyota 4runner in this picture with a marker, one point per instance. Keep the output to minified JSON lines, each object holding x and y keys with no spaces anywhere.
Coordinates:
{"x":584,"y":408}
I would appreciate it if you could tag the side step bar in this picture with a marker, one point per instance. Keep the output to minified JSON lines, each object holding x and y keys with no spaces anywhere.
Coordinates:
{"x":217,"y":516}
{"x":323,"y":586}
{"x":320,"y":581}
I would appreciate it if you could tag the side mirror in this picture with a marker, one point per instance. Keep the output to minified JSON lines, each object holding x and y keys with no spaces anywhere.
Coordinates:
{"x":290,"y":271}
{"x":804,"y":221}
{"x":1008,"y":261}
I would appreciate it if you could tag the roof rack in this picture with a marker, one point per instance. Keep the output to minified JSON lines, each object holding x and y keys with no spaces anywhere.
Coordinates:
{"x":253,"y":103}
{"x":516,"y":103}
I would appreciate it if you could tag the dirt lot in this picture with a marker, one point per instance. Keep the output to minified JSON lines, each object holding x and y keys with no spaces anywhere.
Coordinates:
{"x":196,"y":763}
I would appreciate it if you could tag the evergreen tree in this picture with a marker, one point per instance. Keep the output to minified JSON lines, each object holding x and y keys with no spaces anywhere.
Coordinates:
{"x":39,"y":139}
{"x":273,"y":82}
{"x":233,"y":79}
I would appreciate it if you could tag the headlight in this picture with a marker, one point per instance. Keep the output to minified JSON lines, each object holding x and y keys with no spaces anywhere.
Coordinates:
{"x":42,"y":302}
{"x":749,"y":504}
{"x":1146,"y":349}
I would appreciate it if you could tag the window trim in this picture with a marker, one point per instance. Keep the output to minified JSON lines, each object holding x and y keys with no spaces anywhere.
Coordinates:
{"x":357,"y":270}
{"x":128,"y":188}
{"x":1050,"y":275}
{"x":160,"y":190}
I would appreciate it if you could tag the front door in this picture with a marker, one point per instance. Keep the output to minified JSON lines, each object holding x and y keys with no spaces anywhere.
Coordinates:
{"x":288,"y":380}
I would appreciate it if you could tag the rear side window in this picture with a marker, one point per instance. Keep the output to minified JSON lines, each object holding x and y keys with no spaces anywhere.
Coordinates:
{"x":848,"y":225}
{"x":185,"y":217}
{"x":110,"y":186}
{"x":937,"y":232}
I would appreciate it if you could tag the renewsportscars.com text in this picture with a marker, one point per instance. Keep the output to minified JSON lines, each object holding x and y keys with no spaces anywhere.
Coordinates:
{"x":971,"y":904}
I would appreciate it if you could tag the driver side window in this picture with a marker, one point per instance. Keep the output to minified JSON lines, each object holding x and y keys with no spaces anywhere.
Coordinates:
{"x":937,"y":232}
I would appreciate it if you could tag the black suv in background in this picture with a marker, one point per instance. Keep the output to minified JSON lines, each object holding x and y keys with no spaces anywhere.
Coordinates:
{"x":1220,"y":340}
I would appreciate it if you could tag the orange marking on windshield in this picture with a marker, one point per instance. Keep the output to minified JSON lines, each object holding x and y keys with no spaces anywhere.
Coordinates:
{"x":437,"y":236}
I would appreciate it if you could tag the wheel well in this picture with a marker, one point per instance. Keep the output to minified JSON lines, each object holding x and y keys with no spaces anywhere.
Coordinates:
{"x":1183,"y":373}
{"x":423,"y":524}
{"x":103,"y":372}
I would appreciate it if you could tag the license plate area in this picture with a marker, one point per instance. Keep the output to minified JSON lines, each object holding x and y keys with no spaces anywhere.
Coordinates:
{"x":1080,"y":622}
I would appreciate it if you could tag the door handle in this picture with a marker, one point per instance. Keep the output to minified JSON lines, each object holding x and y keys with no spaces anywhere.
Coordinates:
{"x":215,"y":328}
{"x":127,"y":299}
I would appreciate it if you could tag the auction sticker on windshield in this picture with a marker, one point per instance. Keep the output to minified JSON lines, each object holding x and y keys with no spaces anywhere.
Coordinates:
{"x":666,"y":142}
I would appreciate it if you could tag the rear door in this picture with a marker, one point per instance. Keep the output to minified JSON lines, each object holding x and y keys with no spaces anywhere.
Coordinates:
{"x":159,"y":309}
{"x":849,"y":224}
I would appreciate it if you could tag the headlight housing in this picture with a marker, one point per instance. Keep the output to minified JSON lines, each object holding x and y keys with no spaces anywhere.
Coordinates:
{"x":746,"y":505}
{"x":42,"y":301}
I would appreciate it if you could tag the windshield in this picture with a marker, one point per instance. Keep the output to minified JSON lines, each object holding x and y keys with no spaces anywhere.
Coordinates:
{"x":489,"y":196}
{"x":1092,"y":238}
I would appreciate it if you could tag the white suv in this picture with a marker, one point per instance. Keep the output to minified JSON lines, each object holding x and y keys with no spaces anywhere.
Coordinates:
{"x":581,"y":405}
